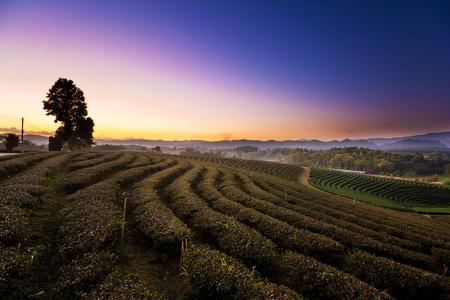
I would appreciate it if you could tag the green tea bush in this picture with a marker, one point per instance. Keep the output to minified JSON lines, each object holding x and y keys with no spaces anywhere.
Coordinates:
{"x":234,"y":238}
{"x":14,"y":224}
{"x":91,"y":159}
{"x":21,"y":162}
{"x":25,"y":189}
{"x":13,"y":264}
{"x":89,"y":225}
{"x":216,"y":275}
{"x":157,"y":221}
{"x":400,"y":281}
{"x":319,"y":281}
{"x":87,"y":176}
{"x":122,"y":286}
{"x":82,"y":274}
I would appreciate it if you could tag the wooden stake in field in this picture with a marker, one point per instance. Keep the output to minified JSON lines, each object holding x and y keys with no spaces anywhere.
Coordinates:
{"x":124,"y":194}
{"x":184,"y":246}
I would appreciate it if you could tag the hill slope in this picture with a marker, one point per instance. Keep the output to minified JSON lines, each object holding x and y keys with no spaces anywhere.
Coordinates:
{"x":232,"y":228}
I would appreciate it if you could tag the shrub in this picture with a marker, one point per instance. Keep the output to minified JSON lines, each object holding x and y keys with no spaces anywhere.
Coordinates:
{"x":216,"y":275}
{"x":89,"y":225}
{"x":13,"y":224}
{"x":157,"y":221}
{"x":82,"y":274}
{"x":399,"y":280}
{"x":122,"y":286}
{"x":319,"y":281}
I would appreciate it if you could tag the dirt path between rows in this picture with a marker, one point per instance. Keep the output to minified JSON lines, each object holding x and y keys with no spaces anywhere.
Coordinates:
{"x":305,"y":176}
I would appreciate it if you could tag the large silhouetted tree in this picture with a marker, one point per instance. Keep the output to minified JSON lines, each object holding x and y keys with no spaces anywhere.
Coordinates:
{"x":66,"y":102}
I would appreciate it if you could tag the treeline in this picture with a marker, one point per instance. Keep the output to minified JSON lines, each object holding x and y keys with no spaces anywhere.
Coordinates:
{"x":372,"y":161}
{"x":196,"y":152}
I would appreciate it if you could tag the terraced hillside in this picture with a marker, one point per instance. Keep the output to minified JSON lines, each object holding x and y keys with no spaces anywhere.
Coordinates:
{"x":200,"y":227}
{"x":399,"y":194}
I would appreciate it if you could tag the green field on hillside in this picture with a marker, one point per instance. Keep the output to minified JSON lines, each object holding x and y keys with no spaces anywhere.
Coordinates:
{"x":202,"y":228}
{"x":399,"y":194}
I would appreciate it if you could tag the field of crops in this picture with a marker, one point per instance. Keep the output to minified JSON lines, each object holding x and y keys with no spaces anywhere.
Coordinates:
{"x":399,"y":194}
{"x":202,"y":228}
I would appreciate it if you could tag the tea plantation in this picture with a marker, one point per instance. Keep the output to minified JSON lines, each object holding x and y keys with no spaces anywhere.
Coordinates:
{"x":202,"y":228}
{"x":399,"y":194}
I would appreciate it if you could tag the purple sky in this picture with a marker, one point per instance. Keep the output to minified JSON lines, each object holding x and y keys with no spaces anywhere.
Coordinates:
{"x":232,"y":69}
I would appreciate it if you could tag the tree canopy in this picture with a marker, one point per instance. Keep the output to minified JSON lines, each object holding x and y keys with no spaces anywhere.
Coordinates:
{"x":372,"y":161}
{"x":66,"y":102}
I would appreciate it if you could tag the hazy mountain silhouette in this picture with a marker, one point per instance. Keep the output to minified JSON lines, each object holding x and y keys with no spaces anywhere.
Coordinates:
{"x":437,"y":140}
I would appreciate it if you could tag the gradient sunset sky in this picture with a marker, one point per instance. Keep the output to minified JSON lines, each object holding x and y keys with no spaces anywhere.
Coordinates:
{"x":217,"y":70}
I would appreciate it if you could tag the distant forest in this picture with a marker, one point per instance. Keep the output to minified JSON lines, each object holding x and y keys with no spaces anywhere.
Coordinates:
{"x":372,"y":161}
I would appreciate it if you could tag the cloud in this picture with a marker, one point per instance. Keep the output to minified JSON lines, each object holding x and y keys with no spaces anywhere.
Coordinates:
{"x":349,"y":131}
{"x":15,"y":130}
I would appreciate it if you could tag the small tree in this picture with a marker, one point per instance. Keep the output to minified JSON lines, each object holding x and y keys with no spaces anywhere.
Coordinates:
{"x":54,"y":143}
{"x":12,"y":141}
{"x":157,"y":149}
{"x":447,"y":170}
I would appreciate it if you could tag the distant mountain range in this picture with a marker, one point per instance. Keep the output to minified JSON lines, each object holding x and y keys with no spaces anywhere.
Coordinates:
{"x":430,"y":140}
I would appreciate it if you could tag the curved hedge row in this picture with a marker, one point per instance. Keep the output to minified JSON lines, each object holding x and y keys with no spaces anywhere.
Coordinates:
{"x":397,"y":193}
{"x":157,"y":221}
{"x":216,"y":275}
{"x":280,"y":232}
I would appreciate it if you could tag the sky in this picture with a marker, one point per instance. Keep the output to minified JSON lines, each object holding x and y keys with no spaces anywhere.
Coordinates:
{"x":235,"y":69}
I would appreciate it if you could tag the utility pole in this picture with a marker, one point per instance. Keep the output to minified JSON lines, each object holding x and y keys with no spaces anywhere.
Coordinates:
{"x":22,"y":135}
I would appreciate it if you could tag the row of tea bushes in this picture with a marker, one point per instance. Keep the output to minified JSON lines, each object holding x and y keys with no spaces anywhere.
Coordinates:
{"x":399,"y":280}
{"x":95,"y":276}
{"x":230,"y":235}
{"x":92,"y":218}
{"x":344,"y":231}
{"x":21,"y":192}
{"x":216,"y":275}
{"x":145,"y":160}
{"x":21,"y":162}
{"x":90,"y":232}
{"x":122,"y":286}
{"x":84,"y":177}
{"x":92,"y":159}
{"x":281,"y":199}
{"x":156,"y":221}
{"x":320,"y":281}
{"x":355,"y":264}
{"x":284,"y":235}
{"x":14,"y":224}
{"x":285,"y":171}
{"x":404,"y":226}
{"x":26,"y":188}
{"x":182,"y":200}
{"x":91,"y":221}
{"x":18,"y":195}
{"x":256,"y":251}
{"x":409,"y":231}
{"x":401,"y":192}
